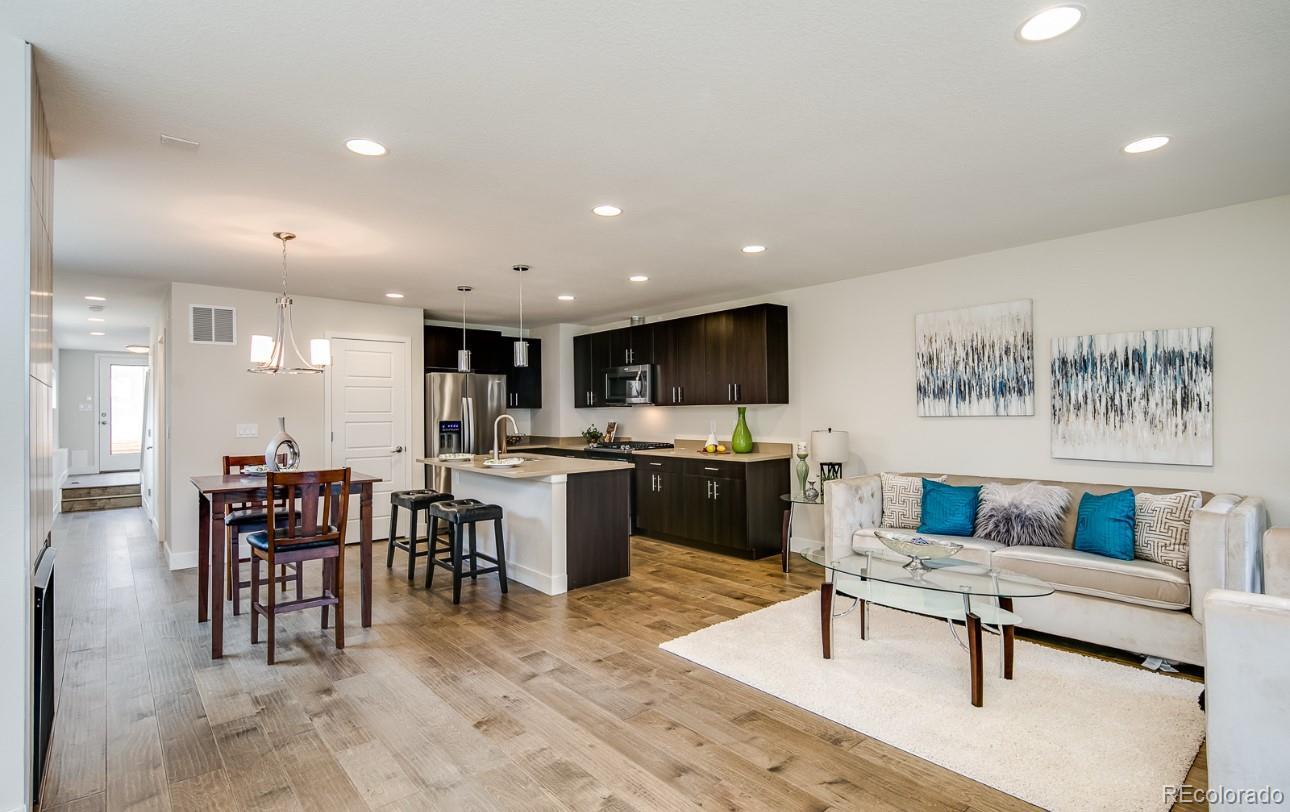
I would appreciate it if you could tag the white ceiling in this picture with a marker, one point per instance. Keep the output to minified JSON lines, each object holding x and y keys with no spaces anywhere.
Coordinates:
{"x":132,"y":307}
{"x":849,"y":137}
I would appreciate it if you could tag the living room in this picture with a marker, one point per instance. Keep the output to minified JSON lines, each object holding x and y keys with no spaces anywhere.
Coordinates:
{"x":801,"y":406}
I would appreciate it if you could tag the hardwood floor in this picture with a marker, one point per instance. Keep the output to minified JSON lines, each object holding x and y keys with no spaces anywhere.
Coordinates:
{"x":516,"y":702}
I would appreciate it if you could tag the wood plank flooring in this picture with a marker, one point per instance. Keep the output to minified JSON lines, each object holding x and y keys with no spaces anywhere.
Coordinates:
{"x":516,"y":702}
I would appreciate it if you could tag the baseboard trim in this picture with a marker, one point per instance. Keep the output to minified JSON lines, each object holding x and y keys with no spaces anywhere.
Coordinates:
{"x":181,"y":561}
{"x":547,"y":584}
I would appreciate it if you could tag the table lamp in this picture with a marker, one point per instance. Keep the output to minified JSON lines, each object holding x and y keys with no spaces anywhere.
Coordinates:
{"x":831,"y":450}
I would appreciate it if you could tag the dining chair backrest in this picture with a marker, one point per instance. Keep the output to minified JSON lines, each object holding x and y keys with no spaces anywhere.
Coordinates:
{"x":240,"y":461}
{"x":317,"y":506}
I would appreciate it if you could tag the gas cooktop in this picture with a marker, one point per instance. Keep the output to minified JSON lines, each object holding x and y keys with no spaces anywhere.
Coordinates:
{"x":628,"y":447}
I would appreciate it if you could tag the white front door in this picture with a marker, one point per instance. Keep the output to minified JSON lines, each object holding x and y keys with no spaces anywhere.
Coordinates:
{"x":370,"y":404}
{"x":121,"y":392}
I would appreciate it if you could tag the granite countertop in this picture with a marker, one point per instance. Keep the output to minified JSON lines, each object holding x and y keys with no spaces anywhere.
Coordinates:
{"x":536,"y":441}
{"x":535,"y":466}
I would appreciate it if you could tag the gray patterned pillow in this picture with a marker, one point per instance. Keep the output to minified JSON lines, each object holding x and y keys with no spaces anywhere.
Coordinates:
{"x":1162,"y":526}
{"x":1026,"y":514}
{"x":902,"y":501}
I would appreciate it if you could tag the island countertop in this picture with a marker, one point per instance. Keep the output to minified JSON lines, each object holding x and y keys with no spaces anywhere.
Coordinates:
{"x":535,"y":466}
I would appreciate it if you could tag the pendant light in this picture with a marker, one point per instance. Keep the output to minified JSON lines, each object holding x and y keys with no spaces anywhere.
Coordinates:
{"x":520,"y":356}
{"x":269,"y":353}
{"x":463,"y":354}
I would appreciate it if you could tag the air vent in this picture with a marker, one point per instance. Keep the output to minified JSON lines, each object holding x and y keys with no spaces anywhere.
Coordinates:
{"x":212,"y":325}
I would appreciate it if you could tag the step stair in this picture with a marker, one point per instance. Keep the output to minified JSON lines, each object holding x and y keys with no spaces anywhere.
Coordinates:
{"x":100,"y":497}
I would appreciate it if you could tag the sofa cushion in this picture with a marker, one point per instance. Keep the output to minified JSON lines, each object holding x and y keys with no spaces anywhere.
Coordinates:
{"x":902,"y":501}
{"x":1105,"y":525}
{"x":1025,"y":514}
{"x":1144,"y":583}
{"x":975,"y":550}
{"x":1162,"y":526}
{"x":949,"y":509}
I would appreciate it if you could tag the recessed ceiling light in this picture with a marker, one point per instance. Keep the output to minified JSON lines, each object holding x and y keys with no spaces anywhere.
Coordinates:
{"x":1148,"y":144}
{"x":97,"y":333}
{"x":607,"y":211}
{"x":94,"y":318}
{"x":136,"y":348}
{"x":1050,"y":23}
{"x":394,"y":295}
{"x":365,"y":146}
{"x":565,"y":297}
{"x":754,"y":249}
{"x":96,"y":298}
{"x":640,"y":277}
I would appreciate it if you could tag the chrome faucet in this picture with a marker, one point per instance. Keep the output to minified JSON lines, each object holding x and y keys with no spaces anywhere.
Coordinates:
{"x":497,"y":448}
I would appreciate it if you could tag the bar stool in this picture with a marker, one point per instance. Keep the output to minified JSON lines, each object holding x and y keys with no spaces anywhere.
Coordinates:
{"x":412,"y":501}
{"x":459,"y":514}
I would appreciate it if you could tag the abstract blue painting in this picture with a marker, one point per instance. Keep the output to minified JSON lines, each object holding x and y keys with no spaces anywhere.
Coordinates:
{"x":1145,"y":396}
{"x":975,"y":361}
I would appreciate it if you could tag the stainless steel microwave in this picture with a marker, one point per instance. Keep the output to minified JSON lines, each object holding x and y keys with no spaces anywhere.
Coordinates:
{"x":630,"y":385}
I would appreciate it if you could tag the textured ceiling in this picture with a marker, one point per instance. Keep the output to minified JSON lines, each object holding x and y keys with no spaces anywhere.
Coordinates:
{"x":850,"y":138}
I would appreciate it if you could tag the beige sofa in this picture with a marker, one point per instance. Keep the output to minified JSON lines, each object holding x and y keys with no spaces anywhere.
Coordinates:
{"x":1137,"y":606}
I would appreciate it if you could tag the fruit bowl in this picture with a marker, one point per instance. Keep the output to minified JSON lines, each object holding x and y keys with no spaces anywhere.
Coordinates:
{"x":916,"y":548}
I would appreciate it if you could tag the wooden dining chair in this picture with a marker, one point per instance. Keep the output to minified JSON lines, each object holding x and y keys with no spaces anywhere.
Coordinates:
{"x":317,"y":509}
{"x":241,"y":519}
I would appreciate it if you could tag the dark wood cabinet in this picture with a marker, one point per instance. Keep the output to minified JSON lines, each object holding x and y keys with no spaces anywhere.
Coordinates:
{"x":592,"y":354}
{"x":490,"y":353}
{"x":524,"y":384}
{"x":631,"y":345}
{"x":731,"y":507}
{"x":747,"y":355}
{"x":680,"y":362}
{"x":737,"y":356}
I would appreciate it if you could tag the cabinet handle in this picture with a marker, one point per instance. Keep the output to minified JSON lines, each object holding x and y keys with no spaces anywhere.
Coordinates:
{"x":659,"y":464}
{"x":716,"y":489}
{"x":681,"y":389}
{"x":706,"y":468}
{"x":709,"y":482}
{"x":739,"y":393}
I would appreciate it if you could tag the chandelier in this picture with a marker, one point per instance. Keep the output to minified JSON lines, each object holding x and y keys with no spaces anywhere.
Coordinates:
{"x":269,"y":353}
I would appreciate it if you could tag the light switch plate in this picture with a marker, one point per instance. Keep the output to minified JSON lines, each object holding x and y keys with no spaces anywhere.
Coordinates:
{"x":248,"y":430}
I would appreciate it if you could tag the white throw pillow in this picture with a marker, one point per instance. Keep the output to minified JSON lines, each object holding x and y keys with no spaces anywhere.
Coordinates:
{"x":1027,"y":514}
{"x":902,"y":501}
{"x":1162,"y":526}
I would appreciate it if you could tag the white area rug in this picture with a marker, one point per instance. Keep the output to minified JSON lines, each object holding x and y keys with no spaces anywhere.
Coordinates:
{"x":1069,"y":732}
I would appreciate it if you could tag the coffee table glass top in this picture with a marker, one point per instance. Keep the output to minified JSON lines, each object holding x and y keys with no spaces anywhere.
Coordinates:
{"x":798,"y":498}
{"x":943,"y":575}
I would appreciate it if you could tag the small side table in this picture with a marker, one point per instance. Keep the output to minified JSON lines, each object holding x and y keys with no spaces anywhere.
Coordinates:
{"x":792,"y":500}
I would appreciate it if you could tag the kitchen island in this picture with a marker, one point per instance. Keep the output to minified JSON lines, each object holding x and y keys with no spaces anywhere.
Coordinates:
{"x":567,"y":521}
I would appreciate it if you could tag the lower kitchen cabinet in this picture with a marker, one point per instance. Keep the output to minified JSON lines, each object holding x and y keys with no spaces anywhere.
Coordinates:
{"x":729,"y":507}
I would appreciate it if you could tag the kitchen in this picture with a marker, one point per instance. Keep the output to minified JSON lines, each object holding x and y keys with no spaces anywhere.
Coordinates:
{"x":667,"y":488}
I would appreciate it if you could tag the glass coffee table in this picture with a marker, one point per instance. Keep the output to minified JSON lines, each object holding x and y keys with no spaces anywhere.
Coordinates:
{"x":951,"y":589}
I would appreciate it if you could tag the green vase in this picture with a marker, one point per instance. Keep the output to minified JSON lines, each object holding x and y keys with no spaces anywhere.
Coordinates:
{"x":741,"y":441}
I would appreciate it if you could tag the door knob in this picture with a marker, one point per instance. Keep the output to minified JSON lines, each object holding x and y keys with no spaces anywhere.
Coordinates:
{"x":398,"y":449}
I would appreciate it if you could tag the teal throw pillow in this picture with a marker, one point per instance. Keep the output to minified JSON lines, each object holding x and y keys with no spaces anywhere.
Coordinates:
{"x":1104,"y":524}
{"x":950,"y":510}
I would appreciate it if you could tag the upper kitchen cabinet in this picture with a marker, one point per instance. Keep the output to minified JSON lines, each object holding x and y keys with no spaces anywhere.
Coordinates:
{"x":524,"y":384}
{"x":737,"y":356}
{"x":633,"y":345}
{"x":486,"y":348}
{"x":680,"y":374}
{"x":747,"y":355}
{"x":592,"y":354}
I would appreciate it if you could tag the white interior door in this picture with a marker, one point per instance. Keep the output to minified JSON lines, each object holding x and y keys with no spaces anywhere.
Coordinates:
{"x":121,"y":394}
{"x":370,"y":404}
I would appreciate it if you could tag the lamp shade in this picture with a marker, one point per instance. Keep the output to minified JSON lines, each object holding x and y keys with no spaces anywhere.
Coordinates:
{"x":261,"y":349}
{"x":830,"y":446}
{"x":320,"y":352}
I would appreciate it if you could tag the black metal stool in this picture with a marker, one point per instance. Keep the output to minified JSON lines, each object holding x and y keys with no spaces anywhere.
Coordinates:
{"x":460,"y":514}
{"x":412,"y":501}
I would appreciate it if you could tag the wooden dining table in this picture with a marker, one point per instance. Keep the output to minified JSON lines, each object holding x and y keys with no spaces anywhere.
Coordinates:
{"x":216,"y":491}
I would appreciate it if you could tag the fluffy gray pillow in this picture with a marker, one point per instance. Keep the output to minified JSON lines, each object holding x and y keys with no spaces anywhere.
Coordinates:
{"x":1029,"y":514}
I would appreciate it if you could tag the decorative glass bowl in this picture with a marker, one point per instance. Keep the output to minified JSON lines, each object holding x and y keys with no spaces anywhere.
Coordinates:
{"x":916,"y":548}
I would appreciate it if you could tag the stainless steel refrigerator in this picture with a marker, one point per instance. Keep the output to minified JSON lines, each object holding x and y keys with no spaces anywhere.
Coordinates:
{"x":460,"y":410}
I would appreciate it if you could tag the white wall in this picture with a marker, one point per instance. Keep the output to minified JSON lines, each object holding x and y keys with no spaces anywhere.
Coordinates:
{"x":209,"y":391}
{"x":852,"y":364}
{"x":15,"y":391}
{"x":77,"y":371}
